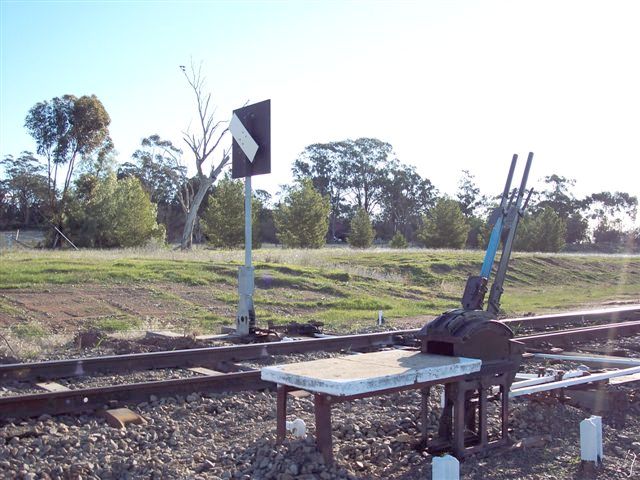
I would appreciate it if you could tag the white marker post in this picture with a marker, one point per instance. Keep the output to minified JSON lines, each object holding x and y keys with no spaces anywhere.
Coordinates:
{"x":591,"y":440}
{"x":445,"y":468}
{"x":246,"y":317}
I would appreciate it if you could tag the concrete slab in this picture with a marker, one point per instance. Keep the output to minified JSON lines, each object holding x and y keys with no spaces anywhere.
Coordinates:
{"x":213,"y":336}
{"x":205,"y":371}
{"x":52,"y":387}
{"x":369,"y":372}
{"x":164,"y":334}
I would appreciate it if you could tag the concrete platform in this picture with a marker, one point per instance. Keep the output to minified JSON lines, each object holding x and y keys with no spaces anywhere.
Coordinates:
{"x":369,"y":372}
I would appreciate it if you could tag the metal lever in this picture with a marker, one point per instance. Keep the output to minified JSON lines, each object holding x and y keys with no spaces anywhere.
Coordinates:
{"x":497,"y":287}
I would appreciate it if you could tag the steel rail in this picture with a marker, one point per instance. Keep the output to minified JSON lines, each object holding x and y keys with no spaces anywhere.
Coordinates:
{"x":212,"y":356}
{"x":616,"y":314}
{"x":98,"y":397}
{"x":573,"y":335}
{"x":95,"y":398}
{"x":196,"y":357}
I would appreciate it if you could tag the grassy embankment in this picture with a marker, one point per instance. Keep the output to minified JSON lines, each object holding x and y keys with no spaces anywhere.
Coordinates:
{"x":341,"y":287}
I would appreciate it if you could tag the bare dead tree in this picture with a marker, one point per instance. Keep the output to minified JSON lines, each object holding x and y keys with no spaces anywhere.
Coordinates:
{"x":203,"y":143}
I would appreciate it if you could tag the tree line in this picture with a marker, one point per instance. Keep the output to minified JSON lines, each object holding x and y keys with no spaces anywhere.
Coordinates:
{"x":353,"y":191}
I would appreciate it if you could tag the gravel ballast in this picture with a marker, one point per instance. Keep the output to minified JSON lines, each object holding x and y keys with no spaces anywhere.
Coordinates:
{"x":233,"y":436}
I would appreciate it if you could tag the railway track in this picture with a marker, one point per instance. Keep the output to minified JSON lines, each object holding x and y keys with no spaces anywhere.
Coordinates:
{"x":220,"y":371}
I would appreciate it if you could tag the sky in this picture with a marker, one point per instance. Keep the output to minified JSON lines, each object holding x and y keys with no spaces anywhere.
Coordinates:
{"x":451,"y":85}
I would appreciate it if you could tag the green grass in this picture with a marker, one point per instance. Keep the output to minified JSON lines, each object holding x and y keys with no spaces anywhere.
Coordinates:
{"x":342,"y":287}
{"x":28,"y":331}
{"x":116,"y":324}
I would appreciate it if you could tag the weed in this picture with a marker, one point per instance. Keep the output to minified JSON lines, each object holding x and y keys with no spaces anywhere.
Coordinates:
{"x":28,"y":331}
{"x":116,"y":324}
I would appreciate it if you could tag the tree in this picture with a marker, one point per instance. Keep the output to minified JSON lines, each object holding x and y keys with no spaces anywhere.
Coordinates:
{"x":544,"y":231}
{"x":66,"y":128}
{"x":469,"y":196}
{"x":320,"y":163}
{"x":398,"y":241}
{"x":361,"y":173}
{"x":106,"y":212}
{"x":135,"y":219}
{"x":557,"y":196}
{"x":614,"y":205}
{"x":362,"y":233}
{"x":223,"y":219}
{"x":25,"y":190}
{"x":203,"y":146}
{"x":608,"y":235}
{"x":158,"y":165}
{"x":302,"y":218}
{"x":577,"y":228}
{"x":633,"y":241}
{"x":406,"y":197}
{"x":363,"y":164}
{"x":444,"y":226}
{"x":266,"y":225}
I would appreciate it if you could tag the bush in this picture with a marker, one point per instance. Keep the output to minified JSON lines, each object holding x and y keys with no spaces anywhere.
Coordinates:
{"x":543,"y":232}
{"x":398,"y":241}
{"x":302,"y":218}
{"x":444,"y":227}
{"x":362,"y":233}
{"x":223,"y":219}
{"x":112,"y":213}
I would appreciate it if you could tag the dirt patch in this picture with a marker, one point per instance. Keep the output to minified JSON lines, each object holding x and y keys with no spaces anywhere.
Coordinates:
{"x":61,"y":305}
{"x":70,"y":307}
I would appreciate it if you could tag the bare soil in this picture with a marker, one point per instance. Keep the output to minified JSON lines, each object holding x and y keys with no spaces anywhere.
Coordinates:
{"x":66,"y":308}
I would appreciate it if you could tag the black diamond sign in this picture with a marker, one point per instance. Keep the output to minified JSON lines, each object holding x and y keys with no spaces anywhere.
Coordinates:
{"x":254,"y":126}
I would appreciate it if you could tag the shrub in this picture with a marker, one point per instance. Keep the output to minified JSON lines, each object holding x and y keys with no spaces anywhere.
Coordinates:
{"x":302,"y":218}
{"x":362,"y":232}
{"x":223,"y":219}
{"x":444,"y":227}
{"x":398,"y":241}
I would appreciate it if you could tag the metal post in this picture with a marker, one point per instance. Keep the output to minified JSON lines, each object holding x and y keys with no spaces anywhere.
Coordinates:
{"x":322,"y":406}
{"x":281,"y":413}
{"x":246,"y":317}
{"x":457,"y":442}
{"x":424,"y":412}
{"x":248,"y":239}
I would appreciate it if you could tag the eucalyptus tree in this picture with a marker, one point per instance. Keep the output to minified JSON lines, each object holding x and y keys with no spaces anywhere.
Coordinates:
{"x":468,"y":194}
{"x":351,"y":173}
{"x":24,"y":188}
{"x":65,"y":129}
{"x":363,"y":165}
{"x":405,"y":198}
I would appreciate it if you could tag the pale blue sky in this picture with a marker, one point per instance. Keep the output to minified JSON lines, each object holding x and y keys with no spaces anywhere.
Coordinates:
{"x":451,"y":85}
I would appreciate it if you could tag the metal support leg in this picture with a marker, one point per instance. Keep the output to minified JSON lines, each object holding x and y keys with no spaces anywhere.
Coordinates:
{"x":504,"y":391}
{"x":470,"y":413}
{"x":458,"y":422}
{"x":281,"y":413}
{"x":482,"y":422}
{"x":323,"y":426}
{"x":444,"y":429}
{"x":424,"y":412}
